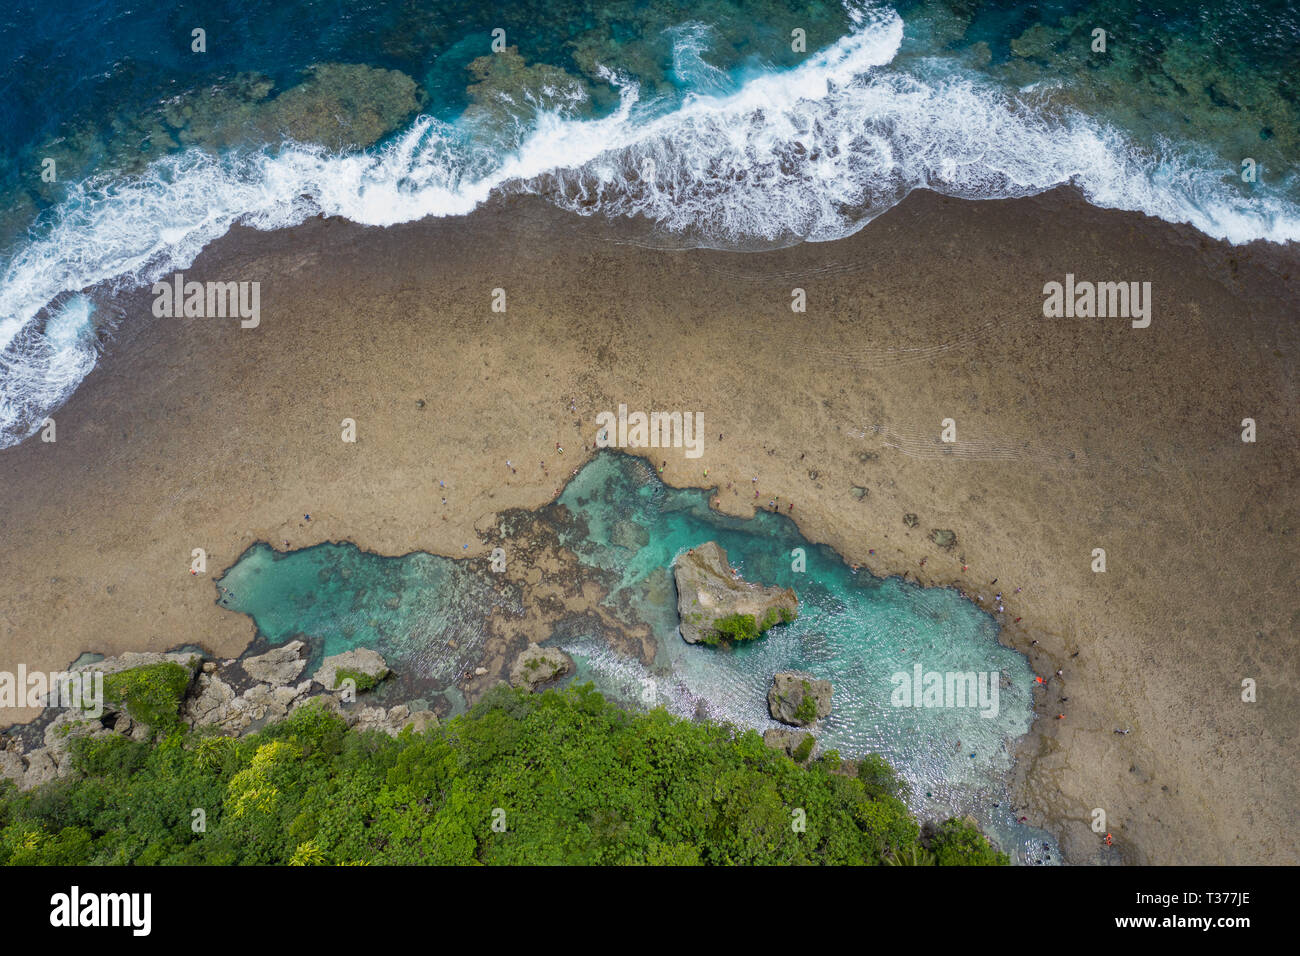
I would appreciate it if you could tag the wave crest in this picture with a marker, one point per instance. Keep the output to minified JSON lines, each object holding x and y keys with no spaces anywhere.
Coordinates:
{"x":812,"y":153}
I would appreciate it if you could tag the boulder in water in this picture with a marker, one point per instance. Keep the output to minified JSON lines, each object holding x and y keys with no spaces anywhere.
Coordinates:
{"x":363,"y":665}
{"x":799,"y":699}
{"x":539,"y":665}
{"x":714,"y":605}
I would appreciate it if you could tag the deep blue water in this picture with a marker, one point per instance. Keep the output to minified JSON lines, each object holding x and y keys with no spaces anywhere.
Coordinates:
{"x":700,"y":120}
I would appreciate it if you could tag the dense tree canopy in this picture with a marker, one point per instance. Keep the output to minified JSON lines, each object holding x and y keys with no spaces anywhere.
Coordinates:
{"x":562,"y":777}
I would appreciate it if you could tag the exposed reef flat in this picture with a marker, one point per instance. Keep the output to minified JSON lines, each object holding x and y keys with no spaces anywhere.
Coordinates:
{"x":1072,"y":435}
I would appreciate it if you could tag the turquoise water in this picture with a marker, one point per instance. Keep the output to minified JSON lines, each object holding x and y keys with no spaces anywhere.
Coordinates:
{"x":626,"y":528}
{"x":420,"y":611}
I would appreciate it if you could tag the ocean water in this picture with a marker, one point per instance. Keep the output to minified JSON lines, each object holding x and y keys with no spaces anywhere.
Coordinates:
{"x":700,"y":120}
{"x":425,"y":613}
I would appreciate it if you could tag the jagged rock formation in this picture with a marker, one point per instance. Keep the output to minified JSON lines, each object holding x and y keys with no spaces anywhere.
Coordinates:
{"x":539,"y":665}
{"x":278,"y":666}
{"x":31,"y":768}
{"x":362,"y":661}
{"x":710,"y":592}
{"x":208,"y":696}
{"x":798,"y":699}
{"x":217,"y":704}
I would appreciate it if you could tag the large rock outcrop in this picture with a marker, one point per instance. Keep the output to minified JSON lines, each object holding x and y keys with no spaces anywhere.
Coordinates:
{"x":365,"y":666}
{"x":93,"y":716}
{"x":215,"y":703}
{"x":714,"y":605}
{"x":278,"y":666}
{"x":799,"y":699}
{"x":539,"y":665}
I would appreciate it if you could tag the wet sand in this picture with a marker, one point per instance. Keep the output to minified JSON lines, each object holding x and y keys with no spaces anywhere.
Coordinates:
{"x":1072,"y":434}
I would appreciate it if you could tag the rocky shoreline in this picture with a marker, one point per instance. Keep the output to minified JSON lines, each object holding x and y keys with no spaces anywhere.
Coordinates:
{"x":238,"y":697}
{"x":235,"y":697}
{"x":228,"y":697}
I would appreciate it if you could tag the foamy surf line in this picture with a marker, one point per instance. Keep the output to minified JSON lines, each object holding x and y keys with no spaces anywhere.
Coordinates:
{"x":808,"y":154}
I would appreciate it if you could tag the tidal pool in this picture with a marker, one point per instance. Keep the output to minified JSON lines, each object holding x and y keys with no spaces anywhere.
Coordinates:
{"x":425,"y":614}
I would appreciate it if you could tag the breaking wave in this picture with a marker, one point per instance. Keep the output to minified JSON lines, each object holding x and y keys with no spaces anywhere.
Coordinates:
{"x":811,"y":153}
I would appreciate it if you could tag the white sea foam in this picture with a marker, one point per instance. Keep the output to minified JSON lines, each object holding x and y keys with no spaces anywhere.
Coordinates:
{"x":40,"y":369}
{"x":811,"y":153}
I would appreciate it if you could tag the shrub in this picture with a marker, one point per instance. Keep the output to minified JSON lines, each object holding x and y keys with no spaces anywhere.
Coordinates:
{"x":745,"y":627}
{"x":150,"y":694}
{"x":879,"y":778}
{"x":736,"y":628}
{"x":804,"y":750}
{"x":362,"y":680}
{"x":958,"y":842}
{"x":806,"y":712}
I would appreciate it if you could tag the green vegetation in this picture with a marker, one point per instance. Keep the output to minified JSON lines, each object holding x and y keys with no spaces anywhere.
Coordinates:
{"x":150,"y":694}
{"x":960,"y":843}
{"x":533,"y":664}
{"x":804,"y":750}
{"x":735,"y":628}
{"x":879,"y":778}
{"x":579,"y":781}
{"x":362,"y":680}
{"x":915,"y":855}
{"x":806,"y":712}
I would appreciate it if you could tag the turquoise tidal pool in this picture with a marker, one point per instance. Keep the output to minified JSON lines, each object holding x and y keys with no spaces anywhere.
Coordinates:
{"x":876,"y":639}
